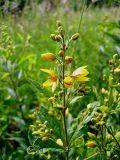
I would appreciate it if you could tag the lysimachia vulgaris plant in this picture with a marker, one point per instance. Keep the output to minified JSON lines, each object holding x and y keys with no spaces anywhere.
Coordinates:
{"x":55,"y":131}
{"x":103,"y":116}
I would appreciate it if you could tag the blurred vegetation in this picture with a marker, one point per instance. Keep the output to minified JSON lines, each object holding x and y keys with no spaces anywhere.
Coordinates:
{"x":23,"y":39}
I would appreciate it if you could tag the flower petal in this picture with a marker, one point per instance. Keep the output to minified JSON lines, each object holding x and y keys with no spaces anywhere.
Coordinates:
{"x":48,"y":83}
{"x":54,"y":84}
{"x":82,"y":78}
{"x":49,"y":71}
{"x":80,"y":71}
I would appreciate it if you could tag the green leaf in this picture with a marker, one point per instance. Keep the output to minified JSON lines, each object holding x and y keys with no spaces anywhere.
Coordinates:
{"x":74,"y":100}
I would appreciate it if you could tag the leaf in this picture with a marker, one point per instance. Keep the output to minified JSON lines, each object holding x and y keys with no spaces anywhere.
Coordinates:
{"x":12,"y":92}
{"x":75,"y":99}
{"x":94,"y":106}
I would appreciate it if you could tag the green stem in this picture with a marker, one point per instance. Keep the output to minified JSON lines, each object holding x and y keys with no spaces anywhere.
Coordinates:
{"x":111,"y":133}
{"x":64,"y":109}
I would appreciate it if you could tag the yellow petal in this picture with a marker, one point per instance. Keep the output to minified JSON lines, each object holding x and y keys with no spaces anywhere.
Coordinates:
{"x":48,"y":83}
{"x":81,"y":78}
{"x":80,"y":71}
{"x":49,"y":71}
{"x":48,"y":56}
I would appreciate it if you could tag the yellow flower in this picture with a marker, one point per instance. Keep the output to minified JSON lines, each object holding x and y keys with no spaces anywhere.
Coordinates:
{"x":48,"y":56}
{"x":59,"y":142}
{"x":68,"y":82}
{"x":53,"y":79}
{"x":80,"y":74}
{"x":91,"y":144}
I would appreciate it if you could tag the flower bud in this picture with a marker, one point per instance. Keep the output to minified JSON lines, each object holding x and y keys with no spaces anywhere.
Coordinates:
{"x":51,"y":113}
{"x":67,"y":113}
{"x":51,"y":131}
{"x":117,"y":70}
{"x":115,"y":56}
{"x":58,"y":23}
{"x":45,"y":139}
{"x":58,"y":38}
{"x":91,"y":135}
{"x":48,"y":157}
{"x":59,"y":142}
{"x":111,"y":62}
{"x":52,"y":99}
{"x":46,"y":123}
{"x":32,"y":126}
{"x":48,"y":56}
{"x":46,"y":131}
{"x":68,"y":82}
{"x":61,"y":53}
{"x":91,"y":144}
{"x":68,"y":59}
{"x":52,"y":36}
{"x":75,"y":36}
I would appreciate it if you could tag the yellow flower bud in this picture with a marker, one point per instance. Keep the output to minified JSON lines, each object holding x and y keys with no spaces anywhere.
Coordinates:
{"x":52,"y":36}
{"x":58,"y":23}
{"x":91,"y":144}
{"x":61,"y":53}
{"x":59,"y":142}
{"x":48,"y":56}
{"x":68,"y":82}
{"x":58,"y":38}
{"x":45,"y":139}
{"x":115,"y":56}
{"x":46,"y":131}
{"x":68,"y":59}
{"x":32,"y":126}
{"x":38,"y":132}
{"x":46,"y":122}
{"x":49,"y":157}
{"x":91,"y":135}
{"x":52,"y":99}
{"x":51,"y":113}
{"x":67,"y":113}
{"x":117,"y":70}
{"x":75,"y":36}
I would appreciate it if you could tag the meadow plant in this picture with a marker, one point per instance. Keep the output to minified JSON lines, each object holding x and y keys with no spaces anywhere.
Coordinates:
{"x":56,"y":134}
{"x":67,"y":86}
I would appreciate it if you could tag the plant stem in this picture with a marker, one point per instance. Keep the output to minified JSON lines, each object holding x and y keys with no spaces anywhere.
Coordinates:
{"x":111,"y":133}
{"x":64,"y":105}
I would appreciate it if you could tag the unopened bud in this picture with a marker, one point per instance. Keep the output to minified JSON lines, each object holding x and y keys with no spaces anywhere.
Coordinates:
{"x":68,"y":59}
{"x":91,"y":144}
{"x":117,"y":70}
{"x":51,"y":112}
{"x":115,"y":56}
{"x":75,"y":36}
{"x":52,"y":36}
{"x":59,"y":142}
{"x":45,"y":139}
{"x":58,"y":38}
{"x":61,"y":53}
{"x":91,"y":135}
{"x":58,"y":23}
